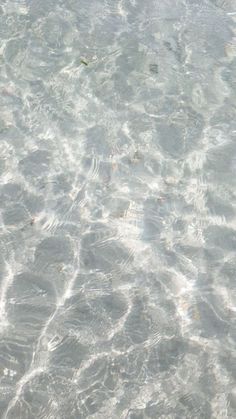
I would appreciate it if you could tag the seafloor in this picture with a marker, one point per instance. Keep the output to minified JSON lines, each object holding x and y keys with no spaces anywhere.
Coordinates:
{"x":117,"y":209}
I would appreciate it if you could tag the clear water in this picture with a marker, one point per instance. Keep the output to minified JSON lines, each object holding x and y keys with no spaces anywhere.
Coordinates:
{"x":117,"y":197}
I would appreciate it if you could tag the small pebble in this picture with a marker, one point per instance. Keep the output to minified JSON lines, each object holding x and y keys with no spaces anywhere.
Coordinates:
{"x":171,"y":181}
{"x":153,"y":68}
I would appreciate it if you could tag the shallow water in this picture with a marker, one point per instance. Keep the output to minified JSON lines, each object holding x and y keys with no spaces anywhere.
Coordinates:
{"x":117,"y":198}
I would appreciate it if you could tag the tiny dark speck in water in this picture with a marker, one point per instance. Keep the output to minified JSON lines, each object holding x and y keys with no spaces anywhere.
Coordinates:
{"x":153,"y":68}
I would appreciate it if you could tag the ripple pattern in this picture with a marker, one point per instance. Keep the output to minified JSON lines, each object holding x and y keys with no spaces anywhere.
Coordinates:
{"x":117,"y":209}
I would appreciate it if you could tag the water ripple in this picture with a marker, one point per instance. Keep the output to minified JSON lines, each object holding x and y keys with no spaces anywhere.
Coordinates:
{"x":117,"y":209}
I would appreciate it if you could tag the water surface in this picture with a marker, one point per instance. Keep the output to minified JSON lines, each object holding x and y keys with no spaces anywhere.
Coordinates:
{"x":117,"y":203}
